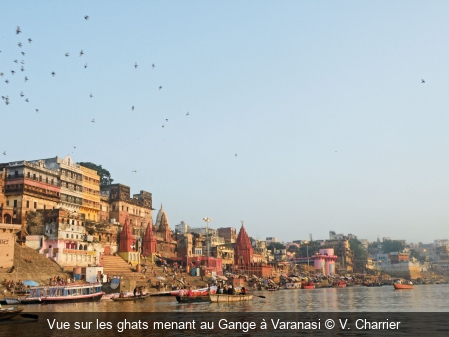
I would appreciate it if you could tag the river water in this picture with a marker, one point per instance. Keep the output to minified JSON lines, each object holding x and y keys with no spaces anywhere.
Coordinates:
{"x":423,"y":298}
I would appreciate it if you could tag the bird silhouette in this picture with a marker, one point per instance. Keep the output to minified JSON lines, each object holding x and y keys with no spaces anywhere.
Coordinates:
{"x":37,"y":110}
{"x":91,"y":95}
{"x":26,"y":78}
{"x":163,"y":125}
{"x":86,"y":17}
{"x":20,"y":44}
{"x":235,"y":155}
{"x":134,"y":171}
{"x":21,"y":94}
{"x":13,"y":72}
{"x":22,"y":68}
{"x":4,"y":152}
{"x":26,"y":100}
{"x":23,"y":54}
{"x":22,"y":62}
{"x":81,"y":53}
{"x":29,"y":40}
{"x":422,"y":81}
{"x":53,"y":74}
{"x":15,"y":61}
{"x":66,"y":54}
{"x":85,"y":65}
{"x":132,"y":108}
{"x":160,"y":87}
{"x":93,"y":120}
{"x":153,"y":66}
{"x":18,"y":31}
{"x":187,"y":114}
{"x":135,"y":65}
{"x":6,"y":81}
{"x":74,"y":147}
{"x":1,"y":74}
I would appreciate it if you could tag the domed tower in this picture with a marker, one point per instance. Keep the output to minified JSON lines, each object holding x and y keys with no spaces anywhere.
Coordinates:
{"x":243,"y":250}
{"x":127,"y":240}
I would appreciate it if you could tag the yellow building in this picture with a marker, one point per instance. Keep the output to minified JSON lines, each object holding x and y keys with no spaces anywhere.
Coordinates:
{"x":91,"y":194}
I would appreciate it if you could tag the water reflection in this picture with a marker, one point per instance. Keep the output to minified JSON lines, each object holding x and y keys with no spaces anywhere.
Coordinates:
{"x":350,"y":299}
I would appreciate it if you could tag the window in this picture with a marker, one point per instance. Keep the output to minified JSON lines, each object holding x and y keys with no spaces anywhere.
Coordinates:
{"x":45,"y":206}
{"x":15,"y":203}
{"x":16,"y":174}
{"x":34,"y":176}
{"x":46,"y":180}
{"x":28,"y":175}
{"x":67,"y":236}
{"x":40,"y":178}
{"x":7,"y":202}
{"x":28,"y":204}
{"x":35,"y":205}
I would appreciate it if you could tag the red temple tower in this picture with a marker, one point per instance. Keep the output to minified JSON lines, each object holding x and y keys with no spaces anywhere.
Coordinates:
{"x":127,"y":240}
{"x":243,"y":250}
{"x":149,"y":242}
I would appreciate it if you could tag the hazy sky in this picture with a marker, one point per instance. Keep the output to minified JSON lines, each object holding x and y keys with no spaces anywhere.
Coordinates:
{"x":322,"y":102}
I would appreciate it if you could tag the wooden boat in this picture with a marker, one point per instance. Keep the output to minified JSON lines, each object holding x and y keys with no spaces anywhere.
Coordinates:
{"x":340,"y":284}
{"x":293,"y":285}
{"x":308,"y":285}
{"x":7,"y":313}
{"x":400,"y":286}
{"x":22,"y":300}
{"x":192,"y":299}
{"x":130,"y":298}
{"x":196,"y":292}
{"x":67,"y":293}
{"x":223,"y":298}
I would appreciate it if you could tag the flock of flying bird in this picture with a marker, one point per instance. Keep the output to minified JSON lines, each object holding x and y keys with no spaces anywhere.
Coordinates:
{"x":22,"y":69}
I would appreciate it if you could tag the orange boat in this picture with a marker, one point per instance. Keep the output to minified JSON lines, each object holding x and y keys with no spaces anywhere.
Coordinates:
{"x":401,"y":285}
{"x":308,"y":285}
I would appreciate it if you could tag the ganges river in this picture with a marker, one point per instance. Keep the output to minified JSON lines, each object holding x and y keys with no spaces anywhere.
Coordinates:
{"x":423,"y":298}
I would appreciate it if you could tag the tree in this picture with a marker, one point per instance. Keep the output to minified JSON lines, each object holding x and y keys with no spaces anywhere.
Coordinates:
{"x":275,"y":245}
{"x":389,"y":246}
{"x":360,"y":254}
{"x":313,"y":248}
{"x":105,"y":176}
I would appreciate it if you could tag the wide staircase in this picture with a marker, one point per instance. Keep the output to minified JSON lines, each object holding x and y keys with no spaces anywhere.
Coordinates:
{"x":116,"y":266}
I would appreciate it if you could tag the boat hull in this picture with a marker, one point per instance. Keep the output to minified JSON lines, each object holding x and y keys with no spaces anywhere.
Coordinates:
{"x":8,"y":313}
{"x":402,"y":286}
{"x":79,"y":298}
{"x":192,"y":299}
{"x":131,"y":298}
{"x":309,"y":287}
{"x":223,"y":298}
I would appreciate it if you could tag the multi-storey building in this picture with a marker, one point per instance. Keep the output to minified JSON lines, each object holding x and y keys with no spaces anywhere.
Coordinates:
{"x":228,"y":233}
{"x":30,"y":185}
{"x":5,"y":211}
{"x":71,"y":182}
{"x":91,"y":194}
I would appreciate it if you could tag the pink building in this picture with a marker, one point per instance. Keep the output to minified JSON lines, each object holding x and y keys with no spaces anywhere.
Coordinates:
{"x":324,"y":261}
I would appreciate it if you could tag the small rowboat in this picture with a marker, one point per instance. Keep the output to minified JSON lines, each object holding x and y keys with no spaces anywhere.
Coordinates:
{"x":192,"y":299}
{"x":400,"y":286}
{"x":7,"y":313}
{"x":130,"y":298}
{"x":224,"y":298}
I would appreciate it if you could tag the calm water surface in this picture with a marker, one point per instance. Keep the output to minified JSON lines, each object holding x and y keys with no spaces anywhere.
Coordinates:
{"x":422,"y":298}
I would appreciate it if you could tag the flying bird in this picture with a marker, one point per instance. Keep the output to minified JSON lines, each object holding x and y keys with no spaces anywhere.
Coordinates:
{"x":86,"y":17}
{"x":29,"y":40}
{"x":163,"y":125}
{"x":18,"y":31}
{"x":15,"y":61}
{"x":22,"y":68}
{"x":135,"y":65}
{"x":23,"y":53}
{"x":85,"y":65}
{"x":187,"y":114}
{"x":1,"y":74}
{"x":235,"y":155}
{"x":53,"y":74}
{"x":132,"y":108}
{"x":20,"y":44}
{"x":160,"y":87}
{"x":66,"y":54}
{"x":6,"y":81}
{"x":422,"y":81}
{"x":74,"y":147}
{"x":22,"y":62}
{"x":26,"y":78}
{"x":91,"y":95}
{"x":13,"y":72}
{"x":166,"y":119}
{"x":81,"y":53}
{"x":26,"y":100}
{"x":153,"y":66}
{"x":4,"y":152}
{"x":37,"y":110}
{"x":93,"y":120}
{"x":134,"y":171}
{"x":21,"y":94}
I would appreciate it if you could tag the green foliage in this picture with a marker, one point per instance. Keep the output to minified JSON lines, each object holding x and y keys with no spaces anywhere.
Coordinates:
{"x":314,"y":247}
{"x":414,"y":254}
{"x":105,"y":176}
{"x":275,"y":245}
{"x":389,"y":246}
{"x":360,"y":254}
